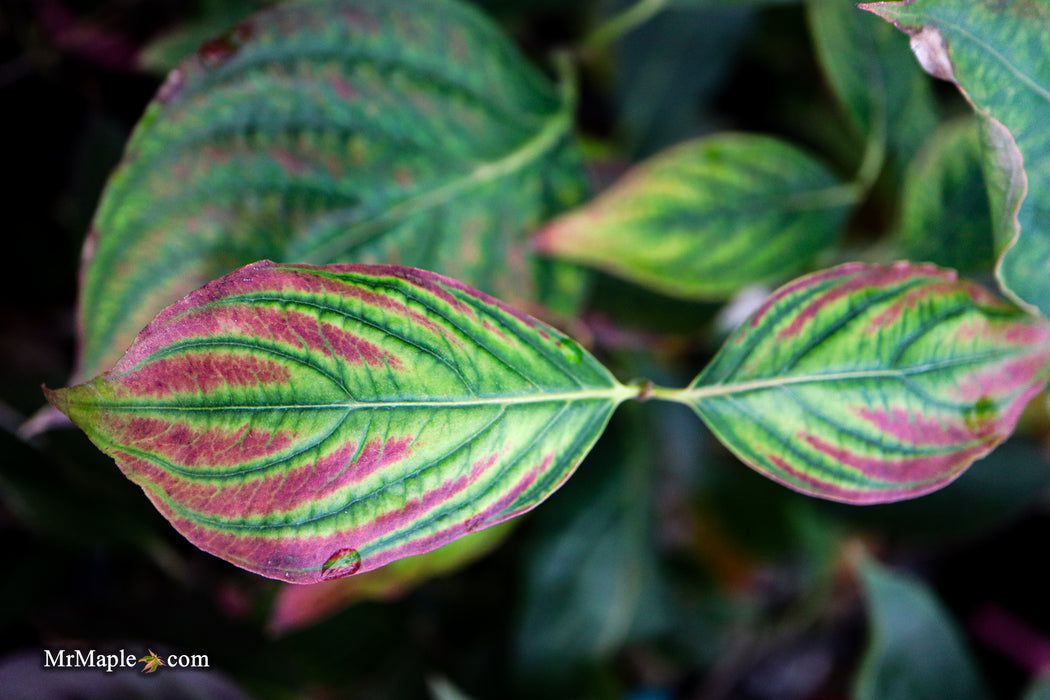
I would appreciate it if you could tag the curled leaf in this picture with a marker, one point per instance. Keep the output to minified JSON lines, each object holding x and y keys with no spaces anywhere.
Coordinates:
{"x":310,"y":422}
{"x":869,"y":384}
{"x":996,"y":53}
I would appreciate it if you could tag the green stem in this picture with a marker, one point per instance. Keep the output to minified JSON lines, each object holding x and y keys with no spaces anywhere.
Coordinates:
{"x":874,"y":158}
{"x":622,"y":23}
{"x":857,"y":189}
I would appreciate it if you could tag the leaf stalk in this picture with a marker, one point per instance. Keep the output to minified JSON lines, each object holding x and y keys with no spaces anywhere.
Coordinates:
{"x":634,"y":16}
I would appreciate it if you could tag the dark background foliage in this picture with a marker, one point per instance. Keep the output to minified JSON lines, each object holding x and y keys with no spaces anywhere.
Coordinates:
{"x":664,"y":569}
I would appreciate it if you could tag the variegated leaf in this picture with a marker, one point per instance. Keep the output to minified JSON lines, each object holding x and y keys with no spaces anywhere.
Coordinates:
{"x":869,"y":384}
{"x":706,"y":218}
{"x":312,"y":422}
{"x":336,"y":131}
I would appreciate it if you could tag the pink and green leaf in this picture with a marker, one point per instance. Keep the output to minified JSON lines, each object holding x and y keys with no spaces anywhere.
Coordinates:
{"x":996,"y":52}
{"x":311,"y":422}
{"x":367,"y":131}
{"x":868,"y":384}
{"x":704,"y":219}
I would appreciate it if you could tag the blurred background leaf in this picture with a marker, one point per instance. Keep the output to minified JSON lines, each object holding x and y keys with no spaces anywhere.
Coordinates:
{"x":306,"y":135}
{"x":707,"y":218}
{"x":945,"y":217}
{"x":590,"y":575}
{"x":884,"y":93}
{"x":915,"y":651}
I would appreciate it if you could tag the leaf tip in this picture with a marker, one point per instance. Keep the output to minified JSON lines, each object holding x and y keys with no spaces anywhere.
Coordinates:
{"x":873,"y":7}
{"x":57,"y":398}
{"x":545,"y":240}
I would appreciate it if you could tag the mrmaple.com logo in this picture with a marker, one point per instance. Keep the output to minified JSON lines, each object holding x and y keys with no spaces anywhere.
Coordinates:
{"x":122,"y":659}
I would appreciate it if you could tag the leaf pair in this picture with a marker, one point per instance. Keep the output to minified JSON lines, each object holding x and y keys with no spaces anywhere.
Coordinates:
{"x":312,"y":422}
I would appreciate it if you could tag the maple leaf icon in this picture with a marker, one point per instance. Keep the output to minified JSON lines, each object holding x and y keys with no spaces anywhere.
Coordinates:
{"x":152,"y":662}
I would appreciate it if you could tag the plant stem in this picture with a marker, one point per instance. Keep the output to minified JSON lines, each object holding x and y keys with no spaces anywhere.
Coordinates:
{"x":868,"y":171}
{"x":622,"y":23}
{"x":647,"y":390}
{"x":874,"y":157}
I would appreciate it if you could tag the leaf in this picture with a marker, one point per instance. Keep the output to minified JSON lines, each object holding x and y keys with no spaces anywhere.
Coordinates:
{"x":150,"y":662}
{"x":299,"y":606}
{"x":884,"y":94}
{"x":996,"y":53}
{"x":915,"y":652}
{"x":591,"y":570}
{"x":869,"y":384}
{"x":310,"y":422}
{"x":706,"y":218}
{"x":403,"y":131}
{"x":944,"y":210}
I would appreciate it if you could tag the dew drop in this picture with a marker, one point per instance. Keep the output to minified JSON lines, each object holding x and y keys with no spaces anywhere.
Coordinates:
{"x":343,"y":563}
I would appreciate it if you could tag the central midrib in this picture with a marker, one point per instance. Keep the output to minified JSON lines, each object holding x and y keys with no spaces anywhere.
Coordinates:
{"x":617,"y":394}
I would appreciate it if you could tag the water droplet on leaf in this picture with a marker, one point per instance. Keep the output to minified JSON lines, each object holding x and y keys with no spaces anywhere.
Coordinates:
{"x":343,"y":563}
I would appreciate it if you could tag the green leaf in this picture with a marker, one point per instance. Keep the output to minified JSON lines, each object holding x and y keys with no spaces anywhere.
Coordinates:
{"x":885,"y":95}
{"x":915,"y":652}
{"x":944,"y":211}
{"x":869,"y":384}
{"x":706,"y":218}
{"x":996,"y":53}
{"x":311,"y":422}
{"x":299,"y":606}
{"x":591,"y":569}
{"x":398,"y":131}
